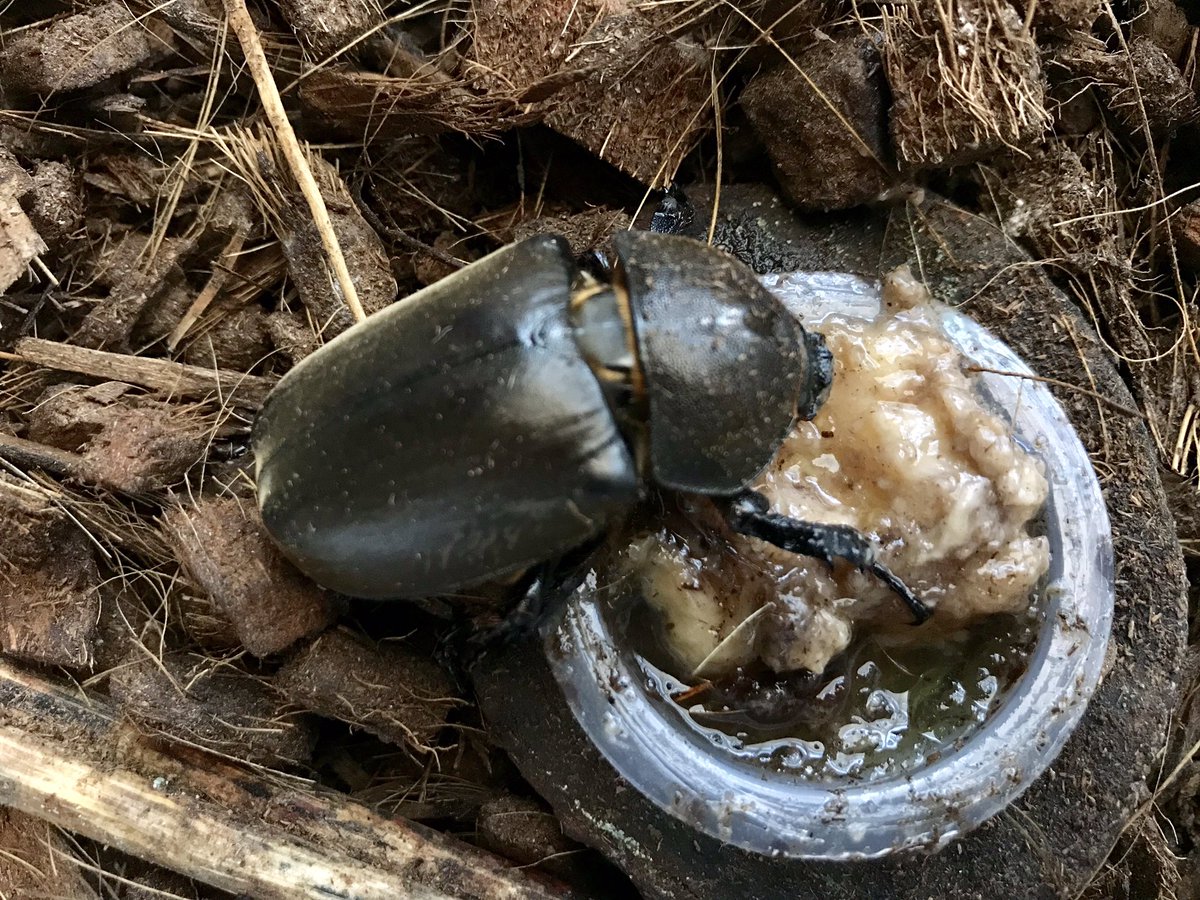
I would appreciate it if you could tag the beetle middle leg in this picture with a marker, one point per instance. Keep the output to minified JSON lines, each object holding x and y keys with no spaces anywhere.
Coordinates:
{"x":749,"y":515}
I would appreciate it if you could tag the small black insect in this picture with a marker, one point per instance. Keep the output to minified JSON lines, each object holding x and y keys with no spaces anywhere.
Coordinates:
{"x":516,"y":409}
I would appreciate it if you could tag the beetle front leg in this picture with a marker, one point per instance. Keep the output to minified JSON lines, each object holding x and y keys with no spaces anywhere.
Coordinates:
{"x":749,"y":515}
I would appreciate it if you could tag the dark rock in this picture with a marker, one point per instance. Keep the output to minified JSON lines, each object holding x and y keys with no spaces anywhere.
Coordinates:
{"x":824,"y":124}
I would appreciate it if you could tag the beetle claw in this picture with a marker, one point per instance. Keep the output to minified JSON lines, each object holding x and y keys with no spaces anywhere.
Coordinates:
{"x":748,"y":515}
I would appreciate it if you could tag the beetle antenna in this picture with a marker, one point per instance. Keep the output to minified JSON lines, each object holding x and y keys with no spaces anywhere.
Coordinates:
{"x":749,"y":515}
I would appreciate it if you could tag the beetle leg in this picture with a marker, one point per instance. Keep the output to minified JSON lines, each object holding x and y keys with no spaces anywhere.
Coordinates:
{"x":749,"y":514}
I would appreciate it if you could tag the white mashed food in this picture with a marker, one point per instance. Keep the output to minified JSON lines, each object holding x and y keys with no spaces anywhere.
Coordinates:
{"x":904,"y":451}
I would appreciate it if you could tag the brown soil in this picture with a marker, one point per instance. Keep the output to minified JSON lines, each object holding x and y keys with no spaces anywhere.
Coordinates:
{"x":162,"y":265}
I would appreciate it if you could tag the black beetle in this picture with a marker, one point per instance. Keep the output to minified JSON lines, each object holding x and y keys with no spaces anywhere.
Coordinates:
{"x":514,"y":410}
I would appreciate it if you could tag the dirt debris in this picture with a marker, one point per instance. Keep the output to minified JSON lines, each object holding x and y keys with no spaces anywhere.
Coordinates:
{"x":49,"y":580}
{"x":83,"y":50}
{"x":1067,"y":15}
{"x":586,"y":232}
{"x":36,"y":861}
{"x":1188,"y":235}
{"x":130,"y":444}
{"x":56,"y":204}
{"x":966,"y":81}
{"x":392,"y":692}
{"x":238,"y":340}
{"x":823,"y":122}
{"x":214,"y":705}
{"x":526,"y":831}
{"x":1164,"y":23}
{"x":143,"y":273}
{"x":226,"y":552}
{"x":1141,"y":88}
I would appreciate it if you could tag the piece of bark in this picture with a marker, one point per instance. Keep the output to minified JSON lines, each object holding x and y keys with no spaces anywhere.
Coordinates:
{"x":15,"y":182}
{"x":518,"y":43}
{"x":327,"y":26}
{"x":82,"y":50}
{"x":20,"y":242}
{"x":129,"y":444}
{"x":291,"y":335}
{"x":226,"y":551}
{"x":72,"y":762}
{"x":49,"y":582}
{"x":644,"y":100}
{"x":1141,"y":87}
{"x":56,"y":203}
{"x":238,"y":340}
{"x":213,"y":705}
{"x":35,"y":861}
{"x":966,"y":81}
{"x":365,"y":255}
{"x":400,"y":696}
{"x":823,"y":123}
{"x":171,"y":378}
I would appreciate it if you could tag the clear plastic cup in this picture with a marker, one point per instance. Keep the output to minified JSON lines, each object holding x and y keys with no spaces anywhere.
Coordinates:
{"x":686,"y":770}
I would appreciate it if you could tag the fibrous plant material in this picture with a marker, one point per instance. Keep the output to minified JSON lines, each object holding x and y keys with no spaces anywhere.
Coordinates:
{"x":129,"y":444}
{"x":226,"y":552}
{"x":20,"y":243}
{"x":327,"y":26}
{"x":966,"y":81}
{"x":214,"y":705}
{"x":49,"y":581}
{"x":822,"y":118}
{"x":258,"y":160}
{"x":644,"y":101}
{"x":82,"y":50}
{"x":1142,"y":87}
{"x":399,"y":695}
{"x":72,"y":762}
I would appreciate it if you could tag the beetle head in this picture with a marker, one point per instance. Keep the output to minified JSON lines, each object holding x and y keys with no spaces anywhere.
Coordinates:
{"x":820,"y":377}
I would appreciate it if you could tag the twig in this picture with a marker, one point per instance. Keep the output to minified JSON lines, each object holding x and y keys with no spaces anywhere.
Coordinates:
{"x":177,"y":379}
{"x":74,"y":762}
{"x":220,"y":274}
{"x":32,"y":455}
{"x":268,"y":93}
{"x":1095,"y":395}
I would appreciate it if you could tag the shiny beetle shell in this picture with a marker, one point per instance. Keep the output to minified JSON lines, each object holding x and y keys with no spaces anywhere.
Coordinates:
{"x":462,"y":435}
